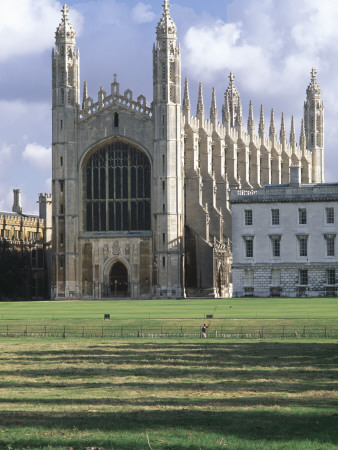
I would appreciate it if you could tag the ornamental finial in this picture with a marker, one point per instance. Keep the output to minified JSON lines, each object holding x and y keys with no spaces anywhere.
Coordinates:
{"x":65,"y":10}
{"x":166,"y":6}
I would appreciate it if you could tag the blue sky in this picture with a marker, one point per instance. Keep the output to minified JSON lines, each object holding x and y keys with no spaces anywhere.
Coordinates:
{"x":270,"y":45}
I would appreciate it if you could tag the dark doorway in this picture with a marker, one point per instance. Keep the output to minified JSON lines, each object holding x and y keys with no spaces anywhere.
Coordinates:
{"x":118,"y":280}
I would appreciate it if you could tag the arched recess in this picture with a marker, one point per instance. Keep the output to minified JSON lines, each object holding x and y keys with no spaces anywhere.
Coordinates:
{"x":117,"y":188}
{"x":118,"y":280}
{"x":116,"y":276}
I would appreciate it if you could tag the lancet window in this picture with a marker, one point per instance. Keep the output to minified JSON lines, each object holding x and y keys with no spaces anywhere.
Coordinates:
{"x":117,"y":197}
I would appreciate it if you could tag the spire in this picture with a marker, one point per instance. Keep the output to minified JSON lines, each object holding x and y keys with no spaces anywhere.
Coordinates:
{"x":261,"y":128}
{"x":251,"y":122}
{"x":213,"y":109}
{"x":239,"y":115}
{"x":186,"y":97}
{"x":65,"y":63}
{"x":272,"y":128}
{"x":232,"y":96}
{"x":282,"y":134}
{"x":292,"y":133}
{"x":226,"y":110}
{"x":166,"y":26}
{"x":85,"y":95}
{"x":302,"y":139}
{"x":200,"y":104}
{"x":313,"y":87}
{"x":65,"y":32}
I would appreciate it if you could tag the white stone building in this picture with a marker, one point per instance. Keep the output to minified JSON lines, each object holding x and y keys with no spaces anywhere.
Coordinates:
{"x":141,"y":192}
{"x":284,"y":239}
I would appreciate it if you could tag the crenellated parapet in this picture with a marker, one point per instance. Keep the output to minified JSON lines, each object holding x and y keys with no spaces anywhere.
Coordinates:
{"x":112,"y":101}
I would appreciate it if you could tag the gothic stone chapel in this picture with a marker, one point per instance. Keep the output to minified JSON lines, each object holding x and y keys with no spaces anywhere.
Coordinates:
{"x":141,"y":193}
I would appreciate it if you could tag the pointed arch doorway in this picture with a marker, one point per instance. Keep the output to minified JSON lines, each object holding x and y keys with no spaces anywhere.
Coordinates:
{"x":118,"y":280}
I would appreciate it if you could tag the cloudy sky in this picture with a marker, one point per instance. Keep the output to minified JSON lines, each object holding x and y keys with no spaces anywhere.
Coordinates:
{"x":270,"y":45}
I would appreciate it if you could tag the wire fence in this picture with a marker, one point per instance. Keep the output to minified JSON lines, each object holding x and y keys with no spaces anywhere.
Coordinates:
{"x":266,"y":331}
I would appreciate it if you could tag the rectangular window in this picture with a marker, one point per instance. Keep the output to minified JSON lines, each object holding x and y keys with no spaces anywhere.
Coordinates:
{"x":330,"y":245}
{"x":275,"y":216}
{"x":331,"y":276}
{"x":163,"y":261}
{"x":302,"y":216}
{"x":275,"y":277}
{"x":275,"y":241}
{"x":303,"y":277}
{"x":329,"y":215}
{"x":61,"y":186}
{"x":249,"y":248}
{"x":302,"y":245}
{"x":248,"y":217}
{"x":163,"y":238}
{"x":249,"y":277}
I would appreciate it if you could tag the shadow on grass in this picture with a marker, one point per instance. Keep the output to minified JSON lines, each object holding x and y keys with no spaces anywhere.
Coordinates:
{"x":255,"y":375}
{"x":251,"y":425}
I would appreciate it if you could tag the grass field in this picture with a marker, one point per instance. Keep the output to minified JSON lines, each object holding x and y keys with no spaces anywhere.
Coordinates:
{"x":250,"y":318}
{"x":235,"y":308}
{"x":176,"y":393}
{"x":196,"y":394}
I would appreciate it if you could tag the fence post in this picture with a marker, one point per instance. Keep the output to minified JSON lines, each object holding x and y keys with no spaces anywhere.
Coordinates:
{"x":121,"y":331}
{"x":45,"y":331}
{"x":262,"y":332}
{"x":64,"y":331}
{"x":283,"y":332}
{"x":102,"y":332}
{"x":325,"y":331}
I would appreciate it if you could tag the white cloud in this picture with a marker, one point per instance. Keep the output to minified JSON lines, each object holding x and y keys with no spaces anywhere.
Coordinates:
{"x":5,"y":152}
{"x":219,"y":48}
{"x":25,"y":26}
{"x":142,"y":13}
{"x":38,"y":156}
{"x":268,"y":44}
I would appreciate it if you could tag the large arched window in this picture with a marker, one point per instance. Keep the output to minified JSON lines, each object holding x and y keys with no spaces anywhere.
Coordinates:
{"x":117,"y":180}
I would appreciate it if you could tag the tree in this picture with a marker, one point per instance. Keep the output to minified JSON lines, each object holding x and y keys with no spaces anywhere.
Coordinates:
{"x":12,"y":271}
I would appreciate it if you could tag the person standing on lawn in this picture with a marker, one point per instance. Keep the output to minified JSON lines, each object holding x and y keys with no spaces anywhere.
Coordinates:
{"x":204,"y":330}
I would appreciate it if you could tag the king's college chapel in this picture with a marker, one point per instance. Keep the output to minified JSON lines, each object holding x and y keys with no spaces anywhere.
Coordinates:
{"x":141,"y":191}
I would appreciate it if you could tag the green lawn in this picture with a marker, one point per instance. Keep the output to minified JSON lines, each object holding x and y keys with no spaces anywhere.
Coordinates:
{"x":241,"y":318}
{"x":248,"y":308}
{"x":168,"y":394}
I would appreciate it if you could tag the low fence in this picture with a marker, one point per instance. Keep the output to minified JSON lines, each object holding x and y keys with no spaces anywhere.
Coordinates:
{"x":266,"y":331}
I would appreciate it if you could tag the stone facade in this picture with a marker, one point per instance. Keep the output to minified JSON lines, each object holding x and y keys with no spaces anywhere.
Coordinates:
{"x":31,"y":237}
{"x":284,"y":240}
{"x":141,"y":193}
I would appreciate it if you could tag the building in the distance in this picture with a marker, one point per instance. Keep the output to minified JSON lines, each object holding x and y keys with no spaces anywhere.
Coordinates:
{"x":25,"y":250}
{"x":141,"y":192}
{"x":285,"y":239}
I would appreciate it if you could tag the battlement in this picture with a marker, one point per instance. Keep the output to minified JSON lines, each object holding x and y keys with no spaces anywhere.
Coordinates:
{"x":105,"y":102}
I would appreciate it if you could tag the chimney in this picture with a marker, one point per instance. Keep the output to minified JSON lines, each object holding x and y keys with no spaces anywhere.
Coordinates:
{"x":17,"y":208}
{"x":295,"y":176}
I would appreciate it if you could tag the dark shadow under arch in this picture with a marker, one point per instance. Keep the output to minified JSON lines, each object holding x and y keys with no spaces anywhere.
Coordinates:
{"x":118,"y":280}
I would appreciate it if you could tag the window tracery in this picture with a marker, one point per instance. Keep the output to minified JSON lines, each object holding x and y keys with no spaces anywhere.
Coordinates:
{"x":117,"y":196}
